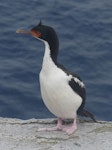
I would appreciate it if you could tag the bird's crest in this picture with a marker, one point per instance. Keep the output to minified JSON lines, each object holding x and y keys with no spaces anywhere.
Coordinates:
{"x":40,"y":23}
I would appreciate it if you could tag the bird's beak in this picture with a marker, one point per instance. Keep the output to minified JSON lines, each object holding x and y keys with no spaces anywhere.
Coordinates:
{"x":30,"y":32}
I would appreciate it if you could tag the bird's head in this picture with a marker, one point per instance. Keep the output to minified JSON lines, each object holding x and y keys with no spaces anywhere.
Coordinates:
{"x":45,"y":34}
{"x":42,"y":32}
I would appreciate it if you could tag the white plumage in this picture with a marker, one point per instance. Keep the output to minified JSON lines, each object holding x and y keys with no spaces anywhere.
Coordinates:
{"x":57,"y":95}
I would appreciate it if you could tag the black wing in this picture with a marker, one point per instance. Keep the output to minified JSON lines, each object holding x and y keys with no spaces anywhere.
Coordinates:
{"x":80,"y":90}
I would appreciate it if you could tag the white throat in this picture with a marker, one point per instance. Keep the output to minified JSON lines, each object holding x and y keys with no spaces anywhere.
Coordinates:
{"x":48,"y":63}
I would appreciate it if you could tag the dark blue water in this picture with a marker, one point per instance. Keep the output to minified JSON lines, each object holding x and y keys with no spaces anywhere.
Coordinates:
{"x":85,"y":33}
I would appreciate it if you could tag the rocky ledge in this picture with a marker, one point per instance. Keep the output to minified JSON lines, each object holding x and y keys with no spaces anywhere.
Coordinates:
{"x":18,"y":134}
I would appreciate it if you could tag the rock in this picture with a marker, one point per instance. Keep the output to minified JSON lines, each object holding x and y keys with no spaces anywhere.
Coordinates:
{"x":18,"y":134}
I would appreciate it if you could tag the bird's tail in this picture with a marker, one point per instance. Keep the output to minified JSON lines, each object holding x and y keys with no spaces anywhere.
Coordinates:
{"x":86,"y":113}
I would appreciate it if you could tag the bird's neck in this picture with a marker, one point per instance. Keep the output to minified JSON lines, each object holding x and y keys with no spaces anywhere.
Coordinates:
{"x":49,"y":59}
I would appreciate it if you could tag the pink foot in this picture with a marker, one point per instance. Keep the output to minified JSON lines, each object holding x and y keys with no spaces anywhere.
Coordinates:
{"x":70,"y":130}
{"x":59,"y":126}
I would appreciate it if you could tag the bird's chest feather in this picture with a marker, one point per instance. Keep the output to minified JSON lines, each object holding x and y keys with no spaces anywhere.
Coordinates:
{"x":51,"y":77}
{"x":58,"y":95}
{"x":52,"y":84}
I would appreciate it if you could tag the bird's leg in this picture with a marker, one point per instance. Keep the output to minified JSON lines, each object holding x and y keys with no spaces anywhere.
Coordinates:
{"x":71,"y":129}
{"x":59,"y":126}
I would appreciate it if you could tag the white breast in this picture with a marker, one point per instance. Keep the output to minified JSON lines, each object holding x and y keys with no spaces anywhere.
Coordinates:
{"x":56,"y":93}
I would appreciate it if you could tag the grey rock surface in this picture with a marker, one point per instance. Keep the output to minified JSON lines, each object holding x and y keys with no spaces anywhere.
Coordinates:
{"x":18,"y":134}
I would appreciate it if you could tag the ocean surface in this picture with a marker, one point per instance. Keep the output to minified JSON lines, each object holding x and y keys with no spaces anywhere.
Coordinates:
{"x":84,"y":28}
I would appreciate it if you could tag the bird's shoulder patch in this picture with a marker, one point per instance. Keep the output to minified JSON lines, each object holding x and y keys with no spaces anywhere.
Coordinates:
{"x":77,"y":86}
{"x":75,"y":82}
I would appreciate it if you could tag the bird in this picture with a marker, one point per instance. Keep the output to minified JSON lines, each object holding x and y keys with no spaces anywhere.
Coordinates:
{"x":63,"y":92}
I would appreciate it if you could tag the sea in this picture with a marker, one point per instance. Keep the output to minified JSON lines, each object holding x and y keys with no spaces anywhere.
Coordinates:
{"x":84,"y":28}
